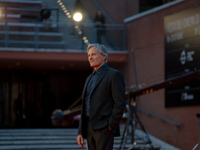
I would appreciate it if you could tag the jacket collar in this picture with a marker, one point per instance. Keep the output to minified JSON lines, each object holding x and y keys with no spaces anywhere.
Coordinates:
{"x":101,"y":76}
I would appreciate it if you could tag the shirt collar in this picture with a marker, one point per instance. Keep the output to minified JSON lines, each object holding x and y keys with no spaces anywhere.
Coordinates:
{"x":100,"y":69}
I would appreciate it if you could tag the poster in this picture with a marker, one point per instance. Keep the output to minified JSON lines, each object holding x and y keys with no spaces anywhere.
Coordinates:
{"x":182,"y":55}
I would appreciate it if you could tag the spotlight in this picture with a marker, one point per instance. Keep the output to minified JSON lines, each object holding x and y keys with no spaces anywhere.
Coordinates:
{"x":77,"y":17}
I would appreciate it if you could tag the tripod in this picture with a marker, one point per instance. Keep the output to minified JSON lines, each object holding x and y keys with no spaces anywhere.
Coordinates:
{"x":198,"y":116}
{"x":132,"y":120}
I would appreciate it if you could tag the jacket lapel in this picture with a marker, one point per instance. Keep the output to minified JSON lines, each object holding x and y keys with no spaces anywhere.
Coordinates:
{"x":86,"y":83}
{"x":101,"y":76}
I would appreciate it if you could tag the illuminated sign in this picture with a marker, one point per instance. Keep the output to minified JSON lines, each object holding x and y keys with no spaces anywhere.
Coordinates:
{"x":182,"y":55}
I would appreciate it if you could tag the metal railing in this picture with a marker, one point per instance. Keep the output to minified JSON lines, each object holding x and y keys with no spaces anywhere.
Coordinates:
{"x":178,"y":125}
{"x":69,"y":35}
{"x":65,"y":35}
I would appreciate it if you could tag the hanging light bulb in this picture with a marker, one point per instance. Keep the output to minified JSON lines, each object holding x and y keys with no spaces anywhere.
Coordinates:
{"x":77,"y":17}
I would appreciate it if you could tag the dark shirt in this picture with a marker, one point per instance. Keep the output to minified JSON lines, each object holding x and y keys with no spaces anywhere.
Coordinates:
{"x":100,"y":19}
{"x":90,"y":87}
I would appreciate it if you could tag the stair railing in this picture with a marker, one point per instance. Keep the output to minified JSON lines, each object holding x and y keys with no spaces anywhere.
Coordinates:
{"x":178,"y":125}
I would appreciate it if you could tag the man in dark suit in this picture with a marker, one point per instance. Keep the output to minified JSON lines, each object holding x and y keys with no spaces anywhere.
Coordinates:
{"x":103,"y":102}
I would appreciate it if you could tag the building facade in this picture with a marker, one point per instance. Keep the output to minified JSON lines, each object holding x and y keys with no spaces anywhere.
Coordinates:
{"x":27,"y":73}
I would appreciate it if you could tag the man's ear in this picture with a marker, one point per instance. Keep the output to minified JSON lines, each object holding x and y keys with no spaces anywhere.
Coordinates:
{"x":104,"y":57}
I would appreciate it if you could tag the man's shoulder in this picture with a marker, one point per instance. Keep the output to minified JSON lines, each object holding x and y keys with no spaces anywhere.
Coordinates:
{"x":114,"y":72}
{"x":111,"y":70}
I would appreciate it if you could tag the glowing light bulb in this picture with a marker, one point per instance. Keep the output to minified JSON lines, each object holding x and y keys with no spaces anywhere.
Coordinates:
{"x":80,"y":32}
{"x":77,"y":17}
{"x":84,"y":38}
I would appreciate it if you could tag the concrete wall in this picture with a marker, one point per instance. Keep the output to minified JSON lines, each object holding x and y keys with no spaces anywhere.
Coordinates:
{"x":145,"y":36}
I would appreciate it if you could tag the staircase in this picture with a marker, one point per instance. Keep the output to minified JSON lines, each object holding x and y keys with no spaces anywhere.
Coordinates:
{"x":51,"y":139}
{"x":19,"y":27}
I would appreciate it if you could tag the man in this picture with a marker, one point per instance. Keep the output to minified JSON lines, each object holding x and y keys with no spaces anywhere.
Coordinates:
{"x":45,"y":15}
{"x":103,"y":102}
{"x":99,"y":24}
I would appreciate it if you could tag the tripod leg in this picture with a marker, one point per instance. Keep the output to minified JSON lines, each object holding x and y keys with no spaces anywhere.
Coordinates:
{"x":126,"y":131}
{"x":198,"y":133}
{"x":123,"y":136}
{"x":142,"y":126}
{"x":133,"y":126}
{"x":195,"y":146}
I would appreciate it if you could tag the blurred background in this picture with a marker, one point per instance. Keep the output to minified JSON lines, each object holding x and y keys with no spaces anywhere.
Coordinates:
{"x":43,"y":61}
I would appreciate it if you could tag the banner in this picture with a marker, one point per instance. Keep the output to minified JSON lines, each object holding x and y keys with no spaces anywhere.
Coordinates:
{"x":182,"y":55}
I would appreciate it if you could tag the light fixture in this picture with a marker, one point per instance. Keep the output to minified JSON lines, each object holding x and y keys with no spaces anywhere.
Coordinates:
{"x":76,"y":27}
{"x":84,"y":38}
{"x":80,"y":32}
{"x":77,"y":17}
{"x":86,"y":41}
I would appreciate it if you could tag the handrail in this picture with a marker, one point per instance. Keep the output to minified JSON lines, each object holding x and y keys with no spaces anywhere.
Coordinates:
{"x":178,"y":125}
{"x":117,"y":43}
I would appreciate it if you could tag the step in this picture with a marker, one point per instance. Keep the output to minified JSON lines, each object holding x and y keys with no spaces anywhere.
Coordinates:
{"x":32,"y":44}
{"x":51,"y":139}
{"x":65,"y":146}
{"x":22,"y":26}
{"x":30,"y":36}
{"x":17,"y":10}
{"x":10,"y":17}
{"x":21,"y":3}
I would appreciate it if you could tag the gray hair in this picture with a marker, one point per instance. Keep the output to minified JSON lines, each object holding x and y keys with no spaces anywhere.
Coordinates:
{"x":101,"y":48}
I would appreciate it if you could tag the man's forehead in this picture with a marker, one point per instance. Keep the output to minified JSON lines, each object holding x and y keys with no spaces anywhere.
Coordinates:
{"x":93,"y":50}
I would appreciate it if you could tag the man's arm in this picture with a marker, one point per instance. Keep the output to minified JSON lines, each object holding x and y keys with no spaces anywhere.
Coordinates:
{"x":80,"y":141}
{"x":118,"y":94}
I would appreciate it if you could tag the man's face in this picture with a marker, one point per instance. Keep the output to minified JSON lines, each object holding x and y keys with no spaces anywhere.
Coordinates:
{"x":95,"y":58}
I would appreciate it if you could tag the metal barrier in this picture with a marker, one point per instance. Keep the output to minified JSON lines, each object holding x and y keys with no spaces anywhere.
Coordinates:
{"x":178,"y":125}
{"x":68,"y":36}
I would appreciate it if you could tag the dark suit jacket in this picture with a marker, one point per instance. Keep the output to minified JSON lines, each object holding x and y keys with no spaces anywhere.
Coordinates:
{"x":107,"y":102}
